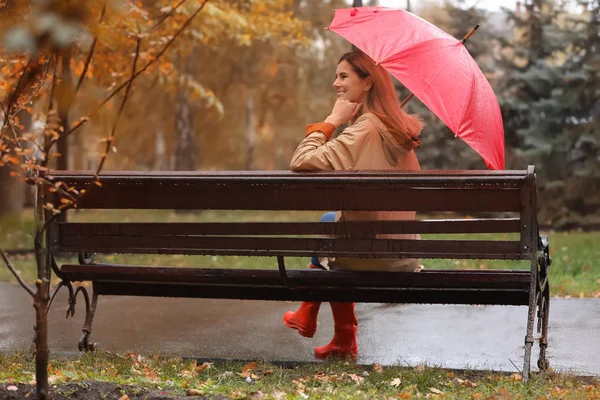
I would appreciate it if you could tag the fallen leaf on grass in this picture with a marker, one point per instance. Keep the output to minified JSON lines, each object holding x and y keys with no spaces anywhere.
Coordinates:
{"x":258,"y":395}
{"x":434,"y":390}
{"x":357,"y":379}
{"x":124,"y":397}
{"x":516,"y":377}
{"x":247,"y":371}
{"x":501,"y":394}
{"x":151,"y":375}
{"x":249,"y":366}
{"x":300,"y":383}
{"x":194,"y":392}
{"x":12,"y":388}
{"x":202,"y":367}
{"x":377,"y":368}
{"x":408,"y":393}
{"x":464,"y":382}
{"x":226,"y":374}
{"x":396,"y":382}
{"x":279,"y":395}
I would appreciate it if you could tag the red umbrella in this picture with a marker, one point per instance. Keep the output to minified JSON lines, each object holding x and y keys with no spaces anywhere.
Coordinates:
{"x":435,"y":67}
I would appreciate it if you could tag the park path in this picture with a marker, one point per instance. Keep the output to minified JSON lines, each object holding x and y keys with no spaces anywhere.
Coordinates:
{"x":463,"y":337}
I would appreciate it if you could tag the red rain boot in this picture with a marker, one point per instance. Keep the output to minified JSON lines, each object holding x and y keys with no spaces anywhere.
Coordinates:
{"x":343,"y":344}
{"x":305,"y":318}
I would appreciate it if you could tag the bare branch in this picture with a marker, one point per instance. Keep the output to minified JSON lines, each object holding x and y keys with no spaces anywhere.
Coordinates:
{"x":35,"y":90}
{"x":15,"y":273}
{"x":167,"y":15}
{"x":12,"y":98}
{"x":48,"y":142}
{"x":111,"y":138}
{"x":124,"y":84}
{"x":16,"y":136}
{"x":91,"y":53}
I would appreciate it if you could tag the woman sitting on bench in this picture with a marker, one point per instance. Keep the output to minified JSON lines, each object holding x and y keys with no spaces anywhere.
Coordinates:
{"x":380,"y":136}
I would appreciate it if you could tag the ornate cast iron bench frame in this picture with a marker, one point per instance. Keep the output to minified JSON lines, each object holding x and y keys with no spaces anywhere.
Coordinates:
{"x":463,"y":192}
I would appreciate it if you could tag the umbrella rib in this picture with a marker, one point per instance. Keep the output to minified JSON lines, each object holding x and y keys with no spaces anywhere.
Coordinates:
{"x":414,"y":50}
{"x":466,"y":106}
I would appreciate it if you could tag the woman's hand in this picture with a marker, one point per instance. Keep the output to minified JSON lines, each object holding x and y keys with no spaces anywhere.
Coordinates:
{"x":343,"y":111}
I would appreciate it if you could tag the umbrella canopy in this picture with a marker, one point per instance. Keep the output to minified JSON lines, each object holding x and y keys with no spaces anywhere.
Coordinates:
{"x":433,"y":65}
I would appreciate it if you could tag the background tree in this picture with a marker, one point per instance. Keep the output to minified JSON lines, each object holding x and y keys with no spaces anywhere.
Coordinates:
{"x":113,"y":43}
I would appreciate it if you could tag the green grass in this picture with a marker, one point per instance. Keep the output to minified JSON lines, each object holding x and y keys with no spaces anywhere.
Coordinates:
{"x":329,"y":380}
{"x":575,"y":271}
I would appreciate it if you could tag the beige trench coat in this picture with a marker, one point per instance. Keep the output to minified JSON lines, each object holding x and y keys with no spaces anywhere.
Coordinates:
{"x":365,"y":145}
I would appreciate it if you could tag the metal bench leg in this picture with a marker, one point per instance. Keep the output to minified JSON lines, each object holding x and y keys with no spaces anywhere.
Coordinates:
{"x":86,"y":331}
{"x":90,"y":310}
{"x":543,"y":363}
{"x":530,"y":323}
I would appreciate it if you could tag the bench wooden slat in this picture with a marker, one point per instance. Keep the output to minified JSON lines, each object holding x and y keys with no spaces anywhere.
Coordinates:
{"x":353,"y":229}
{"x":269,"y":246}
{"x":505,"y":279}
{"x":366,"y":295}
{"x":294,"y":197}
{"x":515,"y":177}
{"x":441,"y":191}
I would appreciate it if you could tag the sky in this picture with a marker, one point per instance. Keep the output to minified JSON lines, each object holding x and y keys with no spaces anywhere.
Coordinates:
{"x":490,"y":5}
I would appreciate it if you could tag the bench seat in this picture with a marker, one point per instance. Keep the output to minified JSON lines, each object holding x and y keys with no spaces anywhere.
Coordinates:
{"x":508,"y":287}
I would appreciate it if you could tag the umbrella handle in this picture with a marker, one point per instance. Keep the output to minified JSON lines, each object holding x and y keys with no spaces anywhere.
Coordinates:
{"x":406,"y":100}
{"x":467,"y":36}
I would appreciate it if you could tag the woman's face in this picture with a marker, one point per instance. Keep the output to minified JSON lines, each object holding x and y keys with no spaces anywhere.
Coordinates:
{"x":348,"y":85}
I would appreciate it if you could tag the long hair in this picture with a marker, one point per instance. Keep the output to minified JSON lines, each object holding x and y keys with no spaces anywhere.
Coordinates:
{"x":382,"y":99}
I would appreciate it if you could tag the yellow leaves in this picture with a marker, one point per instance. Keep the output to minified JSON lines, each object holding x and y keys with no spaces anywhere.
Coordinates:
{"x":80,"y":121}
{"x":12,"y":160}
{"x":464,"y":382}
{"x":247,"y":371}
{"x":515,"y":378}
{"x":356,"y":379}
{"x":49,"y":206}
{"x":435,"y":391}
{"x":245,"y":39}
{"x":199,"y":368}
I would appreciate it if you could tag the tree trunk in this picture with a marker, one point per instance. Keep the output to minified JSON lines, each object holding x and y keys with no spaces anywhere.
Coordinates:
{"x":186,"y":148}
{"x":42,"y":297}
{"x":250,"y":133}
{"x":12,"y":194}
{"x":12,"y":189}
{"x":64,"y":96}
{"x":186,"y":151}
{"x":41,"y":337}
{"x":160,"y":151}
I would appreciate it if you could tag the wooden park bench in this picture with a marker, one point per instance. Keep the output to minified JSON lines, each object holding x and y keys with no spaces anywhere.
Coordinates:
{"x":504,"y":201}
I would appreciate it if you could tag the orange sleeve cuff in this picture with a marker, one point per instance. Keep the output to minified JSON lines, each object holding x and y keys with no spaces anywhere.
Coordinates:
{"x":324,"y":127}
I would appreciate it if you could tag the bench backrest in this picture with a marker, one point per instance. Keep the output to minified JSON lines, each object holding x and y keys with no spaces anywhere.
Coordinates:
{"x":503,"y":192}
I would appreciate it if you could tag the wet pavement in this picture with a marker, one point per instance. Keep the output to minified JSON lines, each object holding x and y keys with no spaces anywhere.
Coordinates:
{"x":464,"y":337}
